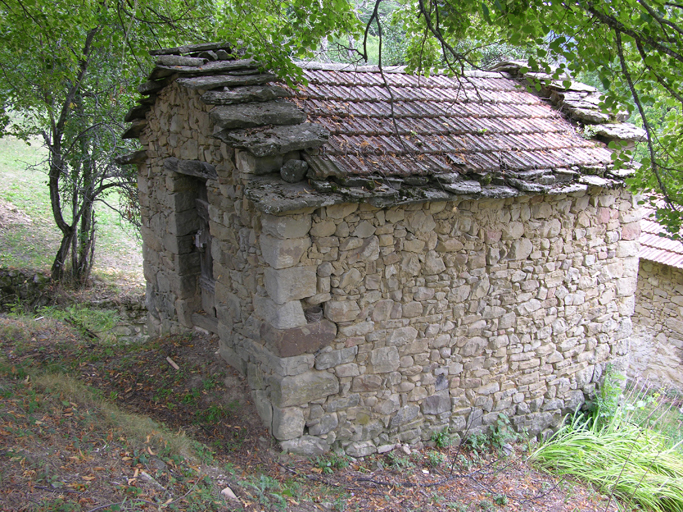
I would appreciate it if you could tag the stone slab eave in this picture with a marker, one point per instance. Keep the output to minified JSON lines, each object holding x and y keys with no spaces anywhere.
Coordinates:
{"x":273,"y":196}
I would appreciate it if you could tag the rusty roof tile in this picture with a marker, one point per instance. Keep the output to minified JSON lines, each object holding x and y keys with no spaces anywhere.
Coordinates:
{"x":481,"y":120}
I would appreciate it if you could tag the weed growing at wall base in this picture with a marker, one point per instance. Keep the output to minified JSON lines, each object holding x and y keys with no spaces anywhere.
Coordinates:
{"x":611,"y":449}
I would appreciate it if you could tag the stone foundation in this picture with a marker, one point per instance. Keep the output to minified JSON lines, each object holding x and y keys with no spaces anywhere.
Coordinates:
{"x":657,"y":343}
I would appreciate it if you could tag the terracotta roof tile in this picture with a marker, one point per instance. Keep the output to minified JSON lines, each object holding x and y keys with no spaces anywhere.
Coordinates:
{"x":654,"y":246}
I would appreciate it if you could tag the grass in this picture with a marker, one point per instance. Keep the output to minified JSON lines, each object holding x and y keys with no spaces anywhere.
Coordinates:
{"x":622,"y":447}
{"x":31,"y":238}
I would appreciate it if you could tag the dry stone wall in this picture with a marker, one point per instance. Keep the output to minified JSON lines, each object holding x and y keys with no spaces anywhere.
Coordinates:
{"x":657,"y":344}
{"x":434,"y":315}
{"x":179,"y":127}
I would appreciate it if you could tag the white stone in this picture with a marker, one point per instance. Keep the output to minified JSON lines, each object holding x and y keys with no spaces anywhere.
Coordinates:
{"x":341,"y":310}
{"x":521,"y":249}
{"x":280,"y":253}
{"x":288,"y":284}
{"x":286,"y":226}
{"x":288,"y":423}
{"x":280,"y":316}
{"x":229,"y":494}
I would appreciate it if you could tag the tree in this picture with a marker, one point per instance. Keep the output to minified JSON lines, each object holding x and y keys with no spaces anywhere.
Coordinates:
{"x":67,"y":76}
{"x":633,"y":47}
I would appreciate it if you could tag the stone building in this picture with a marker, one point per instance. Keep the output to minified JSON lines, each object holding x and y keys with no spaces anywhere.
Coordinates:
{"x":656,"y":348}
{"x":385,"y":255}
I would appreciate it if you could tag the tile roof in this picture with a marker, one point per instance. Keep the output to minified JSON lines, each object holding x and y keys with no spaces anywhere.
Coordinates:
{"x":414,"y":125}
{"x":391,"y":137}
{"x":655,"y":245}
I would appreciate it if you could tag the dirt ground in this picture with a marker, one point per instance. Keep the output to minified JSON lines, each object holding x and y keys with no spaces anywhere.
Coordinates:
{"x":55,"y":452}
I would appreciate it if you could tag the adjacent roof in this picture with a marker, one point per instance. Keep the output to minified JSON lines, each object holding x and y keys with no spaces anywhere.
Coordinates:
{"x":655,"y":245}
{"x":392,"y":137}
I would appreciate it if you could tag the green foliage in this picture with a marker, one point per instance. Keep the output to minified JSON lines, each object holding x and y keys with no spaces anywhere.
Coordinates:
{"x":399,"y":461}
{"x":605,"y":405}
{"x":332,"y":461}
{"x":436,"y":459}
{"x":442,"y":439}
{"x":501,"y":432}
{"x":621,"y":449}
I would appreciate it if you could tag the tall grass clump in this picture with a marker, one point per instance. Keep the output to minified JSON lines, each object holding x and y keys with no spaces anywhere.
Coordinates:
{"x":619,"y":448}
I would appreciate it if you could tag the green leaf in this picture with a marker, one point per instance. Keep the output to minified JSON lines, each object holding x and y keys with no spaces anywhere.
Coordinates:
{"x":485,"y":13}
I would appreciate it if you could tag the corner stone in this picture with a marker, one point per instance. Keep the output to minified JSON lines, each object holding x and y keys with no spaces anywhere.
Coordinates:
{"x":304,"y":388}
{"x":288,"y":423}
{"x":306,"y":339}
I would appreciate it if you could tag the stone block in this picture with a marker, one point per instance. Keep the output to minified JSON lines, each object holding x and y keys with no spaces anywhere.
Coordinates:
{"x":341,"y":310}
{"x":288,"y":423}
{"x":306,"y":339}
{"x":404,"y":415}
{"x":280,"y":253}
{"x":367,"y":382}
{"x":437,"y":403}
{"x":294,"y":171}
{"x":308,"y":446}
{"x":250,"y":164}
{"x":326,"y":424}
{"x":402,"y":335}
{"x":302,"y":389}
{"x":286,"y":226}
{"x":263,"y":406}
{"x":333,"y":358}
{"x":361,"y":449}
{"x":434,"y":264}
{"x":339,"y":211}
{"x":280,"y":316}
{"x":384,"y":359}
{"x":521,"y":249}
{"x":182,"y":223}
{"x":323,"y":229}
{"x":293,"y":283}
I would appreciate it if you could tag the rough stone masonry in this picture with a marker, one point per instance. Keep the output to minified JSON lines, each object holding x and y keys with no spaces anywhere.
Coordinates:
{"x":362,"y":324}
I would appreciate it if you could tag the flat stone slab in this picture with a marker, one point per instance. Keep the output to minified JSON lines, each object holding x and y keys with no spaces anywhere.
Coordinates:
{"x":272,"y":195}
{"x":463,"y":187}
{"x":202,"y":68}
{"x":179,"y":60}
{"x":277,"y":140}
{"x":252,"y":115}
{"x":620,"y":131}
{"x":247,"y":94}
{"x":214,"y":82}
{"x":307,"y":339}
{"x":191,"y":168}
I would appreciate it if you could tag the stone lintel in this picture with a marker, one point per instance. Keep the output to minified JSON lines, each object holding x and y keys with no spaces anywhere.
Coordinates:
{"x":136,"y":157}
{"x":306,"y":339}
{"x":191,"y":168}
